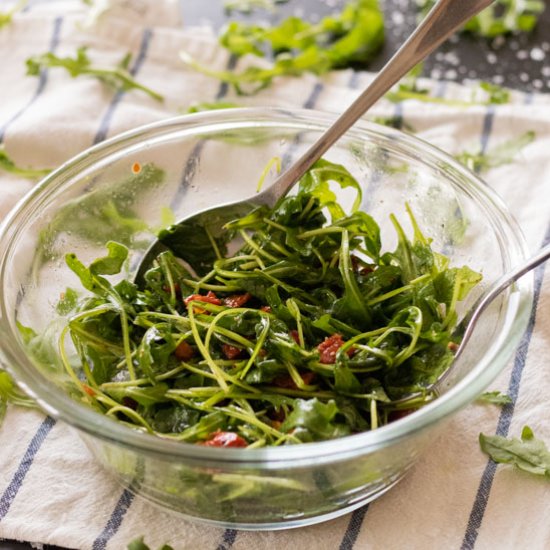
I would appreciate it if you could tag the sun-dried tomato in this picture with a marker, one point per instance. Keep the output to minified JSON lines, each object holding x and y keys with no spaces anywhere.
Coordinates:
{"x":225,"y":439}
{"x":267,"y":309}
{"x":237,"y":300}
{"x":129,"y":402}
{"x":295,"y":336}
{"x":210,"y":298}
{"x":231,"y":352}
{"x":286,"y":381}
{"x":396,"y":415}
{"x":184,"y":351}
{"x":329,"y":348}
{"x":88,"y":390}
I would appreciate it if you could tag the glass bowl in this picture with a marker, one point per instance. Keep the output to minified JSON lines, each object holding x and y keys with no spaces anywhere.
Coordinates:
{"x":122,"y":190}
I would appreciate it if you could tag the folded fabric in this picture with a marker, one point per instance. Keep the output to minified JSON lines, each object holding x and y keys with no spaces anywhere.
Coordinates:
{"x":52,"y":491}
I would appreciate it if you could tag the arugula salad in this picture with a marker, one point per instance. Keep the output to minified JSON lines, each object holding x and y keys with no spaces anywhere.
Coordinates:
{"x":310,"y":331}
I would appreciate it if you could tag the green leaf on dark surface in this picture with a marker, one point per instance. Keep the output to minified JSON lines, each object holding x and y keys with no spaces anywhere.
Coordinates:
{"x":502,"y":17}
{"x":341,"y":40}
{"x":528,"y":453}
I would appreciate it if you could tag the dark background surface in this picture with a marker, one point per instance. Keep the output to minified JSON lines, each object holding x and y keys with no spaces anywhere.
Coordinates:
{"x":521,"y":62}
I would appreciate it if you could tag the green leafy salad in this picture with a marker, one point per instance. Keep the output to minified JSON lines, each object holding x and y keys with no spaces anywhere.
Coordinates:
{"x":310,"y":331}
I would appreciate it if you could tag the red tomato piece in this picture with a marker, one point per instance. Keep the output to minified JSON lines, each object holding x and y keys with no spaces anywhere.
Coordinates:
{"x":210,"y":298}
{"x":237,"y":300}
{"x":267,"y":309}
{"x":231,"y":352}
{"x":184,"y":351}
{"x":225,"y":439}
{"x":295,"y":336}
{"x":329,"y":347}
{"x":285,"y":381}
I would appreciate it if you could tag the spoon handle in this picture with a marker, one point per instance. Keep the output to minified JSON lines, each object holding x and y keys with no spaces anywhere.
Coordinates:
{"x":443,"y":19}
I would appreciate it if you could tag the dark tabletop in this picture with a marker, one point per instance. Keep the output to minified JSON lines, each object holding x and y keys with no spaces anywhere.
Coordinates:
{"x":521,"y":62}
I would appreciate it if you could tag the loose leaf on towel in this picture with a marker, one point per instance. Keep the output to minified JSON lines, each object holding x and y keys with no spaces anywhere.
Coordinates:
{"x":495,"y":398}
{"x":528,"y":453}
{"x":10,"y":393}
{"x":119,"y":77}
{"x":7,"y":16}
{"x":8,"y":165}
{"x":139,"y":544}
{"x":503,"y":153}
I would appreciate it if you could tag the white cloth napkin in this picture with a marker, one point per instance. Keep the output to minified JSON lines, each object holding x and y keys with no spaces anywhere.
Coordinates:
{"x":52,"y":491}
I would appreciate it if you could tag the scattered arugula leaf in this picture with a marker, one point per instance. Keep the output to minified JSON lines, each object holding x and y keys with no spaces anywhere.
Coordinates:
{"x":7,"y":16}
{"x":528,"y":454}
{"x":247,"y":6}
{"x":8,"y":165}
{"x":502,"y":17}
{"x":118,"y":78}
{"x":495,"y":398}
{"x":350,"y":37}
{"x":10,"y":393}
{"x":211,"y":106}
{"x":501,"y":154}
{"x":139,"y":544}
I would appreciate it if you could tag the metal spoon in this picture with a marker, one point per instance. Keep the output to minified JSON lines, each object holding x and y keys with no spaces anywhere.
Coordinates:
{"x":465,"y":328}
{"x":444,"y":18}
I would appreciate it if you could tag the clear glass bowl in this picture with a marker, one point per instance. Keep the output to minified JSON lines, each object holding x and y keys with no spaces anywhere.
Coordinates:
{"x":189,"y":163}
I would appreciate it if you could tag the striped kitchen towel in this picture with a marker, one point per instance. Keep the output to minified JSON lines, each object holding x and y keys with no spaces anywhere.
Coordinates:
{"x":52,"y":491}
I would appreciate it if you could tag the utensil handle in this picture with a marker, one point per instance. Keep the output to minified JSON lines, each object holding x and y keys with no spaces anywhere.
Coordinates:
{"x":442,"y":20}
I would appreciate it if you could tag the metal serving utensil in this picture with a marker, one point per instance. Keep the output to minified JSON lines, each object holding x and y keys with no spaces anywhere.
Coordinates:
{"x":465,"y":328}
{"x":444,"y":18}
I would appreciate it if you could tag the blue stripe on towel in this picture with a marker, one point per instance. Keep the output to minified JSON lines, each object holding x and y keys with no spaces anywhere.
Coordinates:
{"x":229,"y":537}
{"x":136,"y":66}
{"x":487,"y":128}
{"x":354,"y":528}
{"x":24,"y":466}
{"x":505,"y":418}
{"x":42,"y":79}
{"x":115,"y":521}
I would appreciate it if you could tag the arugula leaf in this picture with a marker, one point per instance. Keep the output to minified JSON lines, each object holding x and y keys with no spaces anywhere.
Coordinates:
{"x":139,"y":544}
{"x":502,"y":17}
{"x":314,"y":421}
{"x":211,"y":106}
{"x":316,"y":182}
{"x":10,"y":393}
{"x":501,"y":154}
{"x":247,"y":6}
{"x":495,"y":398}
{"x":8,"y":165}
{"x":118,"y":78}
{"x":352,"y":36}
{"x":528,"y":454}
{"x":7,"y":16}
{"x":90,"y":277}
{"x":110,"y":210}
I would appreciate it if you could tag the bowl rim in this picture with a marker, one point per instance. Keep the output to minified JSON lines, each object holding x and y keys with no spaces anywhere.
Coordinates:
{"x":59,"y":405}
